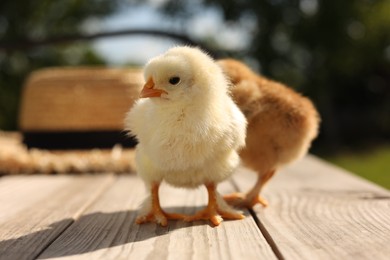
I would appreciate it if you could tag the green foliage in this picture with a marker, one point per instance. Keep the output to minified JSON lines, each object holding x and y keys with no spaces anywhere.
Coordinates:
{"x":36,"y":20}
{"x":372,"y":164}
{"x":42,"y":18}
{"x":336,"y":52}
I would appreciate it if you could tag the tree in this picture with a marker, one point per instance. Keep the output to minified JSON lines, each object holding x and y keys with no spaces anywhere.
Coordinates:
{"x":336,"y":52}
{"x":25,"y":21}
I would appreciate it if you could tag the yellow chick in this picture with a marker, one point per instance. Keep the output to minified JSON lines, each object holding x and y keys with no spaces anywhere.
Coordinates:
{"x":189,"y":131}
{"x":281,"y":126}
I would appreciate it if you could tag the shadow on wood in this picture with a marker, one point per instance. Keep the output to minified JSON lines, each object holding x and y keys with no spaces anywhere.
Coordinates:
{"x":93,"y":232}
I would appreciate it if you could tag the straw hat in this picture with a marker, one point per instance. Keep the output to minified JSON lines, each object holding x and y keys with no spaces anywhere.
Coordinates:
{"x":77,"y":101}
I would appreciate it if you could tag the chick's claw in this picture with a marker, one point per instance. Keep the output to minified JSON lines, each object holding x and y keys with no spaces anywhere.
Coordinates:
{"x":216,"y":216}
{"x":216,"y":210}
{"x":244,"y":201}
{"x":261,"y":201}
{"x":159,"y":217}
{"x":154,"y":211}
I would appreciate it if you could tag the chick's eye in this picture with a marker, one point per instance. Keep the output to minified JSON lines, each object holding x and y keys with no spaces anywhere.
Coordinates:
{"x":174,"y":80}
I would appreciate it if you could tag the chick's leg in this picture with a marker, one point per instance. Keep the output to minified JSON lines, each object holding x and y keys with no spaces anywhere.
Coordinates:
{"x":216,"y":209}
{"x":156,"y":213}
{"x":251,"y":198}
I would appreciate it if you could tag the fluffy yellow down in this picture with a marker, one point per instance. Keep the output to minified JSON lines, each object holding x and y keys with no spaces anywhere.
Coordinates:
{"x":189,"y":136}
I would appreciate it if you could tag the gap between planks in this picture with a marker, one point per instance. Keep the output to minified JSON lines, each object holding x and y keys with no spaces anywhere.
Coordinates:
{"x":320,"y":211}
{"x":106,"y":230}
{"x":260,"y":225}
{"x":107,"y":201}
{"x":267,"y":235}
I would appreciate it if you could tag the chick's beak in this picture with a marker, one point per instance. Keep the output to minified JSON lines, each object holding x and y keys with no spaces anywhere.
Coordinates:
{"x":149,"y":90}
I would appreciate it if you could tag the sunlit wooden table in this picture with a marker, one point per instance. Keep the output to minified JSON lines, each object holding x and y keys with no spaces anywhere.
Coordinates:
{"x":316,"y":211}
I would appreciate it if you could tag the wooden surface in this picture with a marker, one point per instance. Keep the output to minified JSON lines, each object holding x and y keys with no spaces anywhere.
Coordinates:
{"x":316,"y":211}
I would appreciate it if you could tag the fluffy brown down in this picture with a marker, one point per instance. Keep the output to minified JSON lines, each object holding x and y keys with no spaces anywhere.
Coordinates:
{"x":281,"y":122}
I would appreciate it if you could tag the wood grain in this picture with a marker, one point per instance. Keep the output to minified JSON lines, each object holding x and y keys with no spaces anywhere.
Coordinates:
{"x":318,"y":211}
{"x":107,"y":230}
{"x":34,"y":210}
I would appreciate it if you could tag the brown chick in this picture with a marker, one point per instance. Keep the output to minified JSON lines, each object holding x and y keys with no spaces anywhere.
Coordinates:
{"x":281,"y":126}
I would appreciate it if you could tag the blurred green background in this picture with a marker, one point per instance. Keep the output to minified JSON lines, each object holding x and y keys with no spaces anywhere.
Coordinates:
{"x":335,"y":52}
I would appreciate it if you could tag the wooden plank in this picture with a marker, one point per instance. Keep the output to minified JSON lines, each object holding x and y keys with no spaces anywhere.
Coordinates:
{"x":318,"y":211}
{"x":107,"y":229}
{"x":34,"y":210}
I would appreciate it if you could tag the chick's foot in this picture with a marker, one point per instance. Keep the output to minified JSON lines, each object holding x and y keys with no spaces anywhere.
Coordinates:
{"x":215,"y":215}
{"x":244,"y":201}
{"x":158,"y":216}
{"x":216,"y":211}
{"x":154,"y":211}
{"x":250,"y":199}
